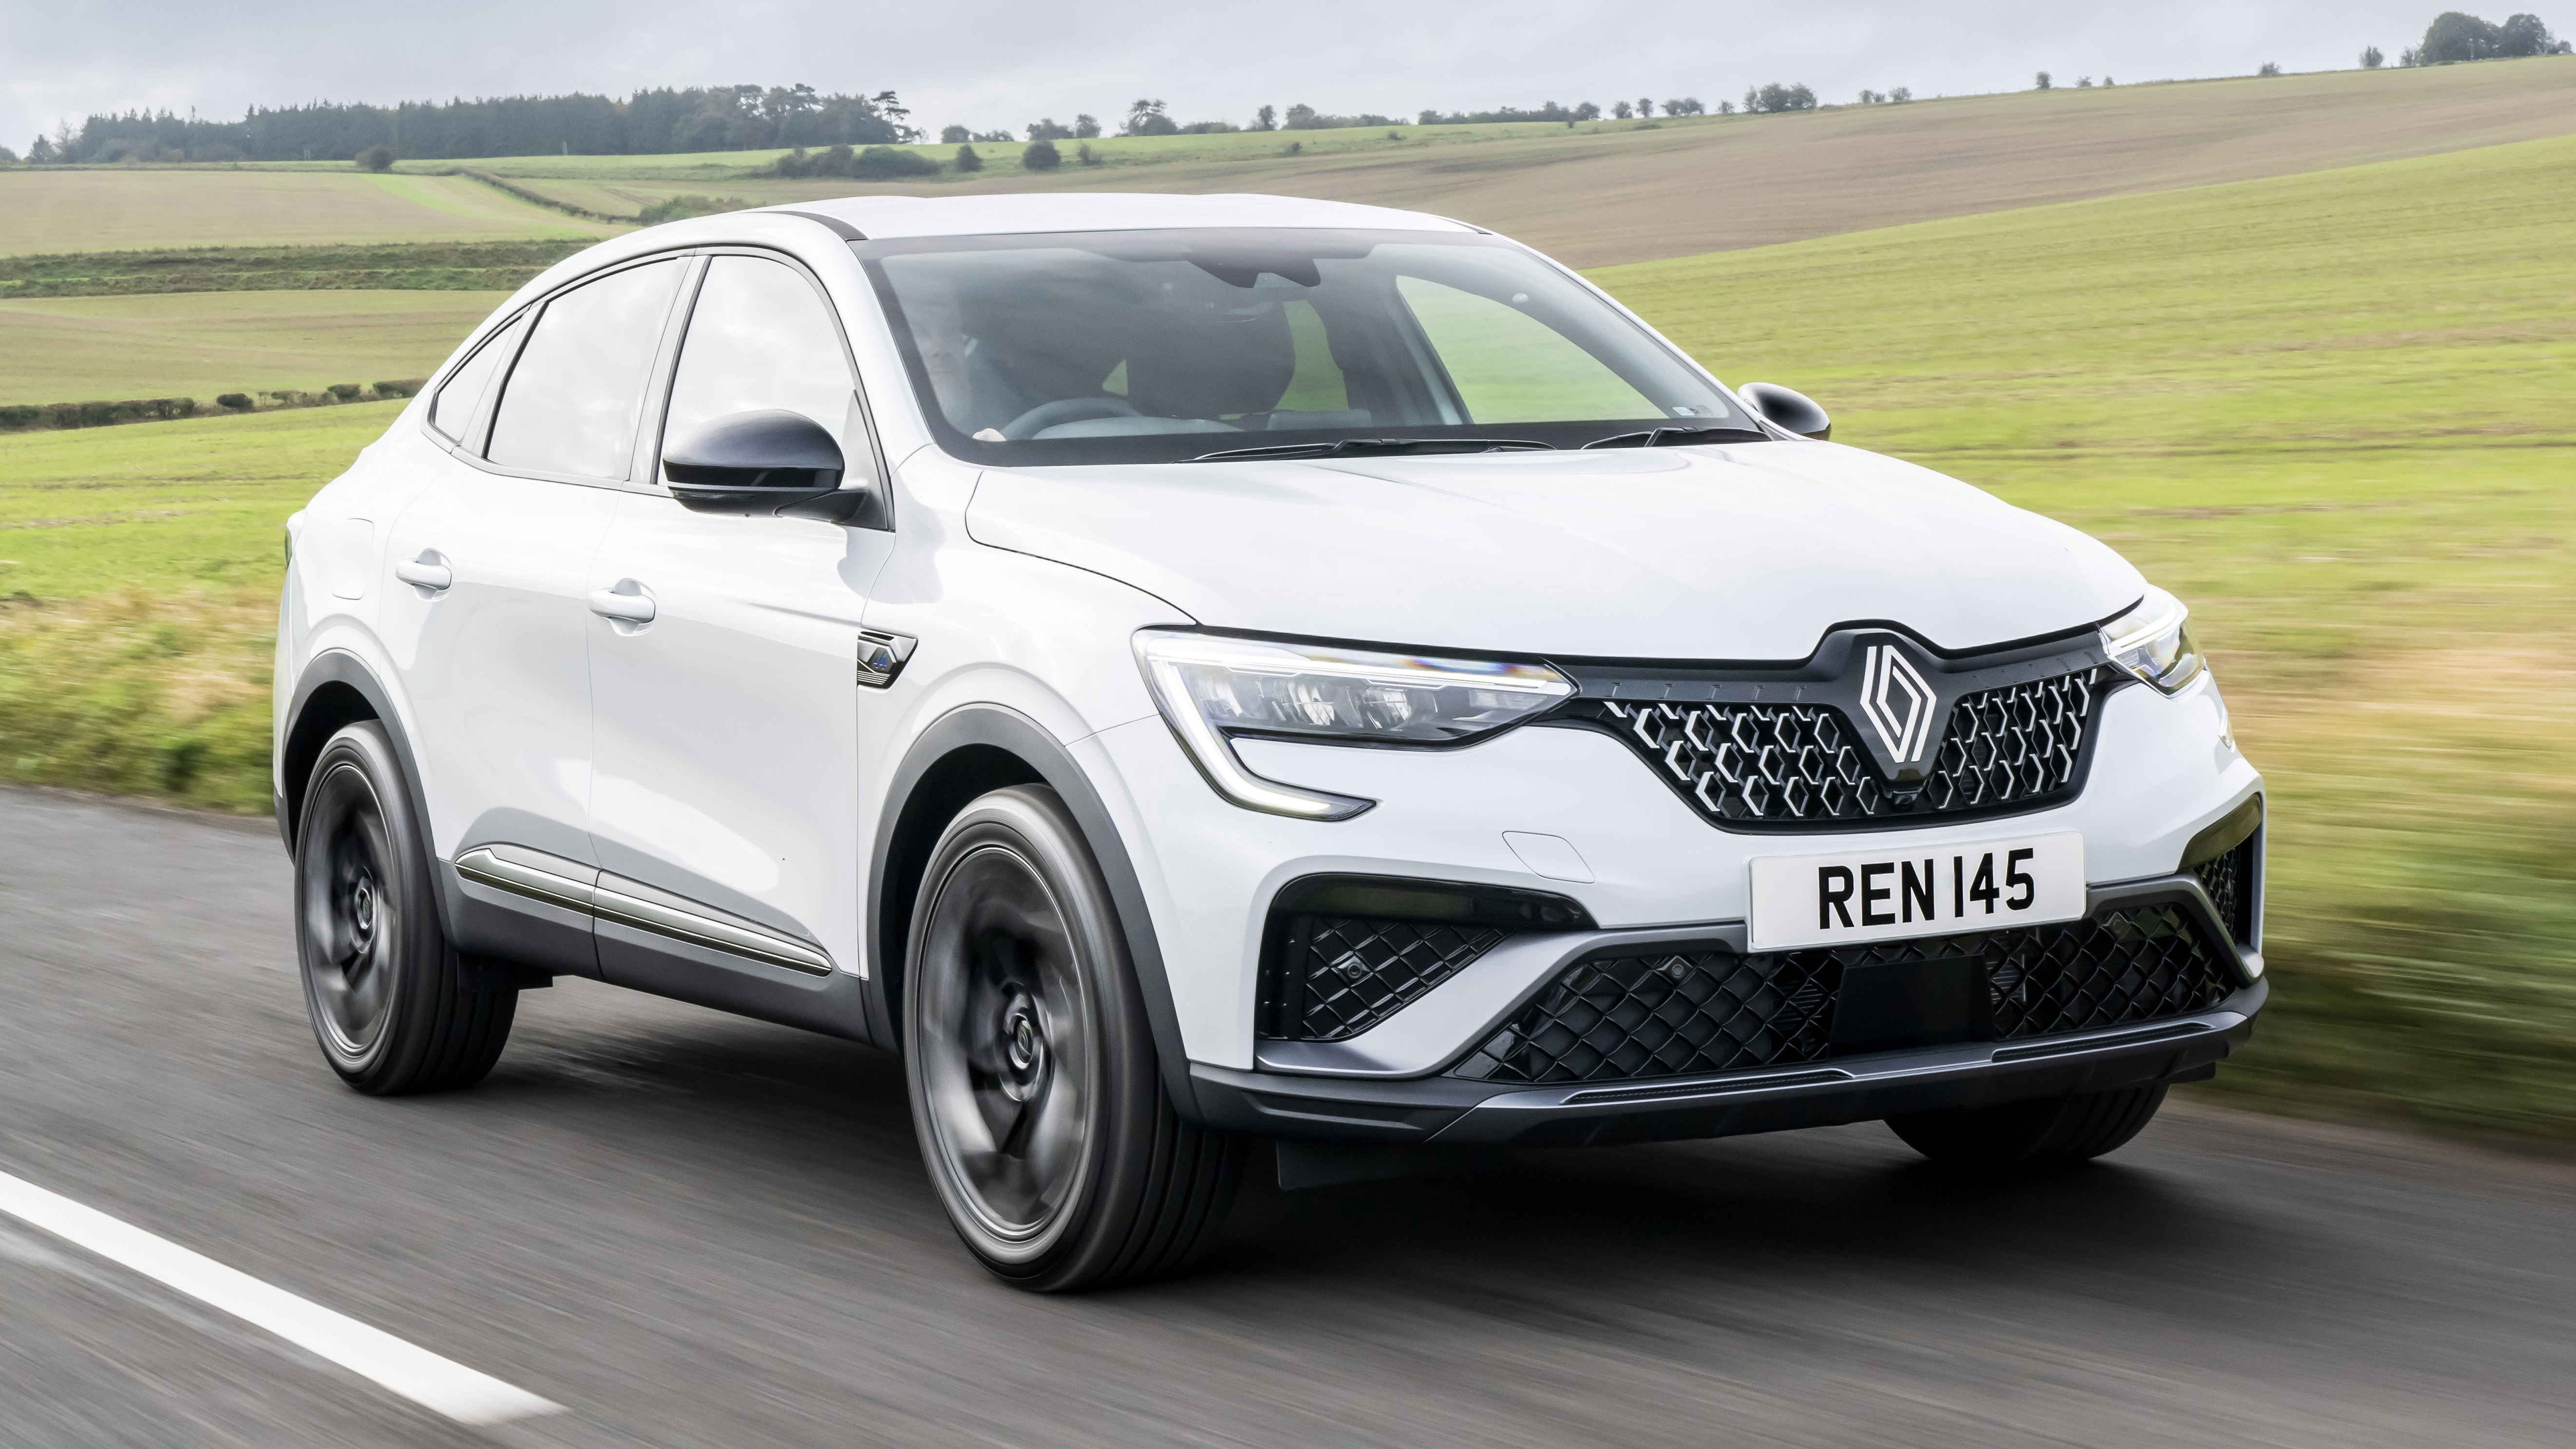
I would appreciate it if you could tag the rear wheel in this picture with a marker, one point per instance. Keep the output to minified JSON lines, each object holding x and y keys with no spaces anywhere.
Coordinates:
{"x":395,"y":1008}
{"x":1035,"y":1088}
{"x":2019,"y":1135}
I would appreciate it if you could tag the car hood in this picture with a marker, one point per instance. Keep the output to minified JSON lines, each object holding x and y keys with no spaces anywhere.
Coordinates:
{"x":1747,"y":552}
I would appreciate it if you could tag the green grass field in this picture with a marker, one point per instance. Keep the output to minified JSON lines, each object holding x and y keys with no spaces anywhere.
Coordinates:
{"x":198,"y":344}
{"x":2329,"y":409}
{"x":106,"y":209}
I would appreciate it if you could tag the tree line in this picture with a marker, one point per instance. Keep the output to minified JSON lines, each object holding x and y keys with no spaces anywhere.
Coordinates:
{"x":648,"y":122}
{"x":839,"y":128}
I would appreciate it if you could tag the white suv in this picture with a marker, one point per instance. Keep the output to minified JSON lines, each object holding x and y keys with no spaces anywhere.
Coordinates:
{"x":1192,"y":670}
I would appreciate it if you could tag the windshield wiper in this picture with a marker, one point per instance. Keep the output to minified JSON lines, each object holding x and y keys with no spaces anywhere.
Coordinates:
{"x":1353,"y":447}
{"x":1681,"y":437}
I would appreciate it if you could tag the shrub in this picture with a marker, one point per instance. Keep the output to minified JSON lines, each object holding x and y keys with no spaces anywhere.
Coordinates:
{"x":238,"y":402}
{"x":20,"y":417}
{"x":2269,"y":69}
{"x":967,"y":160}
{"x":403,"y":388}
{"x":885,"y":163}
{"x":1041,"y":156}
{"x":2455,"y":36}
{"x":376,"y":158}
{"x":1086,"y":155}
{"x":1777,"y":97}
{"x":346,"y":391}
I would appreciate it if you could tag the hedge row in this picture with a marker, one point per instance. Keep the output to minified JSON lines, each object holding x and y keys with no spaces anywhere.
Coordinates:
{"x":403,"y":266}
{"x":24,"y":417}
{"x":419,"y":279}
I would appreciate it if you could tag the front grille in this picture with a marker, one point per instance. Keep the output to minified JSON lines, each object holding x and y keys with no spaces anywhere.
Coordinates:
{"x":1789,"y":766}
{"x":2229,"y":879}
{"x":1707,"y":1009}
{"x":1337,"y":976}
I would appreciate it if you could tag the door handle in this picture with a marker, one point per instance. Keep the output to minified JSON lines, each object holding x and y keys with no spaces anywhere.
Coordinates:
{"x":634,"y":608}
{"x":425,"y":573}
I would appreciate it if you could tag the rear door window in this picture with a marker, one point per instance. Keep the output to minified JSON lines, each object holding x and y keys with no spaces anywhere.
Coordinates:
{"x":573,"y":401}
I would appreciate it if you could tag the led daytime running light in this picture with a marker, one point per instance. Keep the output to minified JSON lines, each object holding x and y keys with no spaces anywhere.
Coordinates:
{"x":1212,"y":687}
{"x":2153,"y":641}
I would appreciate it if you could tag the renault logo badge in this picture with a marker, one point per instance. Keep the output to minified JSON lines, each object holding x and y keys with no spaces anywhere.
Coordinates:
{"x":1898,"y":703}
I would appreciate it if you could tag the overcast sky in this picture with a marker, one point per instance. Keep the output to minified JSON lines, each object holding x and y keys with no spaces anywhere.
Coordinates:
{"x":1003,"y":63}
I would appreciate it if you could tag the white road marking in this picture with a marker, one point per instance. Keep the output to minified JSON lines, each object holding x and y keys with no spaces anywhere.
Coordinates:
{"x":447,"y":1387}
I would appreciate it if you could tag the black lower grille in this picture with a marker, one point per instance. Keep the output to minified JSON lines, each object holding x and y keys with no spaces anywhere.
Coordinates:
{"x":1341,"y":975}
{"x":1707,"y":1009}
{"x":2229,"y":879}
{"x":1342,"y":953}
{"x":1664,"y":1015}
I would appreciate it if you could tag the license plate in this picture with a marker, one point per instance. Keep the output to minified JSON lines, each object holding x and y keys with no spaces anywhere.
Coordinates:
{"x":1893,"y":892}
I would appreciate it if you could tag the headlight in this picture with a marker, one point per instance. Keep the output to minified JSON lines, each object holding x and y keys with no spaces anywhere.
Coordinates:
{"x":1210,"y":687}
{"x":2153,"y":642}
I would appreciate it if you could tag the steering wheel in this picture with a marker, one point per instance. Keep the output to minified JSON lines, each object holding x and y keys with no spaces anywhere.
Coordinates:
{"x":1066,"y":410}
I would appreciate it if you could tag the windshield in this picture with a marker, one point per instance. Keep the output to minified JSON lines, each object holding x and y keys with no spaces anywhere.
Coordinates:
{"x":1155,"y":346}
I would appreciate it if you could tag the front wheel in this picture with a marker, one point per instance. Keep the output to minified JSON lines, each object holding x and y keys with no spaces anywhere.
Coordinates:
{"x":2050,"y":1132}
{"x":1035,"y":1089}
{"x":395,"y":1008}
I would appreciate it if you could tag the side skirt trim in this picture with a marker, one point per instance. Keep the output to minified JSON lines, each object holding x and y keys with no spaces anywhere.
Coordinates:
{"x":578,"y":887}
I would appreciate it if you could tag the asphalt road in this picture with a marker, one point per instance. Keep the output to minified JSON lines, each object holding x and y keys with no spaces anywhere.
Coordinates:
{"x":694,"y":1230}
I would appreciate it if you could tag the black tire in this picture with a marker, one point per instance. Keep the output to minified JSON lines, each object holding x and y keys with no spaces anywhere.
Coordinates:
{"x":395,"y":1008}
{"x":2020,"y":1136}
{"x":1035,"y":1086}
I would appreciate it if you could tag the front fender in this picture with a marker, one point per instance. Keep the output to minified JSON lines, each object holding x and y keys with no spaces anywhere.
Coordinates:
{"x":899,"y":849}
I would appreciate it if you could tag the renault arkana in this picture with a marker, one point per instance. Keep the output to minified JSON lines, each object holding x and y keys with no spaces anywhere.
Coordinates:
{"x":1198,"y":674}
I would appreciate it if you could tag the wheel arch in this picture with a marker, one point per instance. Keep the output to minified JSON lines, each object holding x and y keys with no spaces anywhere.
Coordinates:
{"x":335,"y":691}
{"x":963,"y":754}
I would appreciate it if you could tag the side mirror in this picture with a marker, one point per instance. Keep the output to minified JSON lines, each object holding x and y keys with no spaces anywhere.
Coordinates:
{"x":767,"y":463}
{"x":1788,"y":408}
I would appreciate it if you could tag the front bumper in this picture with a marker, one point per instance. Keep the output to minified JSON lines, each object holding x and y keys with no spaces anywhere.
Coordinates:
{"x":1383,"y":1086}
{"x":1443,"y":1111}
